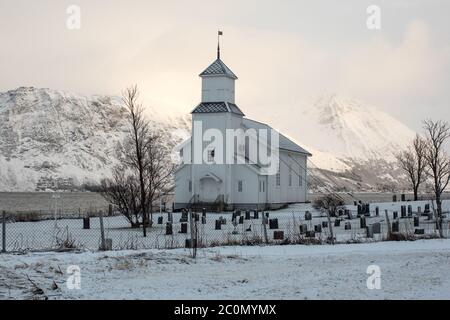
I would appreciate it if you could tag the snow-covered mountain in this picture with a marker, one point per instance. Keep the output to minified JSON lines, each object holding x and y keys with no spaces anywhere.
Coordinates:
{"x":353,"y":144}
{"x":58,"y":140}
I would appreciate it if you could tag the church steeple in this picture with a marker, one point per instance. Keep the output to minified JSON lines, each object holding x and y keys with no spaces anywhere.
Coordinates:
{"x":218,"y":80}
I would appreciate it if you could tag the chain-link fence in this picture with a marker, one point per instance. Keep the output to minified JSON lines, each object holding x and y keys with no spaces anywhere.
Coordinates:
{"x":102,"y":228}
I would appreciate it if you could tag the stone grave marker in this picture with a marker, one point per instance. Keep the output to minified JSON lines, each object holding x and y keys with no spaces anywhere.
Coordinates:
{"x":278,"y":235}
{"x":183,"y":227}
{"x":169,"y":230}
{"x":86,"y":223}
{"x":308,"y":215}
{"x":273,"y":223}
{"x":376,"y":227}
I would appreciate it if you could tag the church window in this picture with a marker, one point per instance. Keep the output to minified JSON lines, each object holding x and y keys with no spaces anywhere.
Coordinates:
{"x":239,"y":185}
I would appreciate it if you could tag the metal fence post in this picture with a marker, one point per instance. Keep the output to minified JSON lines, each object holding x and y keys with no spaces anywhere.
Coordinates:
{"x":3,"y":231}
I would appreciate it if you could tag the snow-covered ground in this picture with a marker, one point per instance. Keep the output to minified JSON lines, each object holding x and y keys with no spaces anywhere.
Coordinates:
{"x":409,"y":270}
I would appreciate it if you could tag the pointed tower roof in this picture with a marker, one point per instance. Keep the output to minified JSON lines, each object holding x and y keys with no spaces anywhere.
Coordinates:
{"x":218,"y":68}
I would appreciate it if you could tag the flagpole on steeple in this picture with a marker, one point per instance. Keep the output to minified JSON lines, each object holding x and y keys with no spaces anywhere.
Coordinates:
{"x":219,"y":33}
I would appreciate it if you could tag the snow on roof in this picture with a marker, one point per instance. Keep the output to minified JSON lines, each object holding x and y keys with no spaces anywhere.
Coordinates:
{"x":285,"y":143}
{"x":218,"y":68}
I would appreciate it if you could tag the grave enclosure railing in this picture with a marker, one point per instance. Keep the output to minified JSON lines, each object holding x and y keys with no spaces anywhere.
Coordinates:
{"x":102,"y":229}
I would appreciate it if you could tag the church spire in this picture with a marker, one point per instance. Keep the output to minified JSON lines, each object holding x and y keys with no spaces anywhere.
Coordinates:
{"x":219,"y":33}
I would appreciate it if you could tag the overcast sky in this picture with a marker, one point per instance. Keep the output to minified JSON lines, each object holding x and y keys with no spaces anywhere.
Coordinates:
{"x":283,"y":52}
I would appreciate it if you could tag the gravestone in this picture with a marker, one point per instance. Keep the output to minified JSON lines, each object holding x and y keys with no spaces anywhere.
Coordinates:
{"x":203,"y":220}
{"x":348,"y":213}
{"x":273,"y":223}
{"x":196,"y":216}
{"x":255,"y":214}
{"x":249,"y":228}
{"x":360,"y":210}
{"x":160,"y":220}
{"x":324,"y":224}
{"x":184,"y":216}
{"x":183,"y":228}
{"x":308,"y":215}
{"x":267,"y":214}
{"x":403,"y":197}
{"x":278,"y":235}
{"x":310,"y":234}
{"x":241,"y":220}
{"x":395,"y":214}
{"x":303,"y":228}
{"x":367,"y":209}
{"x":410,"y":211}
{"x":337,"y":222}
{"x":419,"y":231}
{"x":169,"y":230}
{"x":86,"y":223}
{"x":362,"y":222}
{"x":218,"y":225}
{"x":222,"y":220}
{"x":355,"y":203}
{"x":348,"y":226}
{"x":318,"y":228}
{"x":377,"y":211}
{"x":170,"y":217}
{"x":340,"y":212}
{"x":416,"y":221}
{"x":395,"y":226}
{"x":204,"y":212}
{"x":403,"y":211}
{"x":419,"y":210}
{"x":394,"y":198}
{"x":376,"y":227}
{"x":247,"y":215}
{"x":427,"y":208}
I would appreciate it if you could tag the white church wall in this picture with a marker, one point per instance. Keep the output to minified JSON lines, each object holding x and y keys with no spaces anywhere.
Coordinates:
{"x":215,"y":89}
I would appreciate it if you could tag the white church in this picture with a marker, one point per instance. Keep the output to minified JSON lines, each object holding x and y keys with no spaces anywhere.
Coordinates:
{"x":206,"y":178}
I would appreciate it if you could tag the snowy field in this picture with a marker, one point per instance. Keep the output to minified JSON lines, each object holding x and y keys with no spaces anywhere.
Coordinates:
{"x":409,"y":270}
{"x":48,"y":234}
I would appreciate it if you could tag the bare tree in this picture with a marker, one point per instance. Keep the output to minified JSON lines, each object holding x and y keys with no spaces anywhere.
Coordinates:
{"x":329,"y":203}
{"x":139,"y":131}
{"x":145,"y":172}
{"x":438,"y":162}
{"x":158,"y":170}
{"x":412,"y":161}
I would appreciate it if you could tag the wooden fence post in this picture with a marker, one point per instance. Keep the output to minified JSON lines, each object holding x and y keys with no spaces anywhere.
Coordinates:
{"x":102,"y":232}
{"x":264,"y":221}
{"x":3,"y":231}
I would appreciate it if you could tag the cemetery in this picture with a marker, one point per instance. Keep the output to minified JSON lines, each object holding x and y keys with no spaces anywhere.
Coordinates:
{"x":296,"y":224}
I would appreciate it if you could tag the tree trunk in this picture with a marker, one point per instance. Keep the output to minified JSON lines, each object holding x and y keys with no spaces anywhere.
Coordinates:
{"x":416,"y":192}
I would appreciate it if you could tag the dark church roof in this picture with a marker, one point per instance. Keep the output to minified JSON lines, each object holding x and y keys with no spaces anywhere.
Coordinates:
{"x":218,"y":68}
{"x":217,"y":107}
